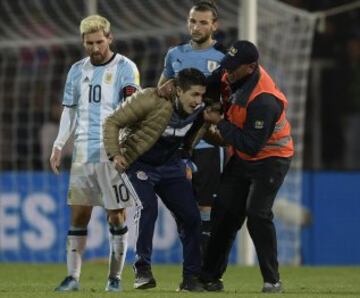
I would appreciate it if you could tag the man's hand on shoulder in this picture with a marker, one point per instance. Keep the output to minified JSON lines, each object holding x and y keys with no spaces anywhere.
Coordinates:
{"x":167,"y":90}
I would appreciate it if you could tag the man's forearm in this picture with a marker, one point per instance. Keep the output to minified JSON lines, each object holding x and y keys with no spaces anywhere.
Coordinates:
{"x":66,"y":127}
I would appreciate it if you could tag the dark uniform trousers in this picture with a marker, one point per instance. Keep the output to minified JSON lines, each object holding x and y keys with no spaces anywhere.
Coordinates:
{"x":247,"y":190}
{"x":169,"y":182}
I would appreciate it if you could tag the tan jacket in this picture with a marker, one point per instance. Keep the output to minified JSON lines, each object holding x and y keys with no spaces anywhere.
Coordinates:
{"x":140,"y":121}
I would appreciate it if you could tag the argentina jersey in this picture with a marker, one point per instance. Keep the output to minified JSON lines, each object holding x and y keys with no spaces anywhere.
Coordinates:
{"x":184,"y":56}
{"x":95,"y":92}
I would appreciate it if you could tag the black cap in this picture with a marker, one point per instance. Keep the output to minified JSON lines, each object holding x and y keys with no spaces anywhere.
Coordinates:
{"x":241,"y":52}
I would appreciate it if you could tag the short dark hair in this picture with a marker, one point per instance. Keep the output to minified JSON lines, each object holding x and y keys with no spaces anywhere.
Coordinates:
{"x":203,"y":5}
{"x":189,"y":77}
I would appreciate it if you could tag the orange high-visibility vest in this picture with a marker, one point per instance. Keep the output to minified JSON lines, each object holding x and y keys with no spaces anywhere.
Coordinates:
{"x":280,"y":143}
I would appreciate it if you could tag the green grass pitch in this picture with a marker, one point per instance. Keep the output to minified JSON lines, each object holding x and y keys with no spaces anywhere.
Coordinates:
{"x":39,"y":280}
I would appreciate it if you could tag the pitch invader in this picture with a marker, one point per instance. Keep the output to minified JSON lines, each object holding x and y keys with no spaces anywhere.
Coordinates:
{"x":94,"y":88}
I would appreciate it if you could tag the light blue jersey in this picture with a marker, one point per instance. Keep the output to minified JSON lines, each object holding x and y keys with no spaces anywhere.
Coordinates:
{"x":95,"y":92}
{"x":184,"y":56}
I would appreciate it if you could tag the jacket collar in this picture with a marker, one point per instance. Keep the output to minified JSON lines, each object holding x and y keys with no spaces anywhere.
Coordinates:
{"x":242,"y":89}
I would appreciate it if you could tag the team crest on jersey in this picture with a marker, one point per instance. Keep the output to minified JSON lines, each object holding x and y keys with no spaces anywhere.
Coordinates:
{"x":108,"y":78}
{"x":212,"y":65}
{"x":141,"y":175}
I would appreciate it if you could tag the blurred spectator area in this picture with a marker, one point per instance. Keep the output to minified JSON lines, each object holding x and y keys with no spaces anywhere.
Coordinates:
{"x":333,"y":111}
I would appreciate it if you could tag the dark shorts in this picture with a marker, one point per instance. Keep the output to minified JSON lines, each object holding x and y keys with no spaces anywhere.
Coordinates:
{"x":207,"y":178}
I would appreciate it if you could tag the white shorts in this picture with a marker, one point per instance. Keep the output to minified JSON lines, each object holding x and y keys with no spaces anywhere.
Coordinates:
{"x":98,"y":184}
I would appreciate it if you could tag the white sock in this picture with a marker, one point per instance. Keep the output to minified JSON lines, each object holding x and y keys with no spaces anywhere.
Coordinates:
{"x":76,"y":242}
{"x":118,"y":240}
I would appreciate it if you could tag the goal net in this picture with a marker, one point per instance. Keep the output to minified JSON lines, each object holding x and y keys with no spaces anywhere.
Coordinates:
{"x":285,"y":37}
{"x":39,"y":41}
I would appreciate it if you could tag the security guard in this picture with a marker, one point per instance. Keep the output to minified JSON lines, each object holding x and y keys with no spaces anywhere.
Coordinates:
{"x":258,"y":137}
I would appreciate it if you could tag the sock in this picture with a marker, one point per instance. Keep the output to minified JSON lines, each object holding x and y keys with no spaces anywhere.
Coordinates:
{"x":118,"y":240}
{"x":205,"y":230}
{"x":76,"y":242}
{"x":205,"y":221}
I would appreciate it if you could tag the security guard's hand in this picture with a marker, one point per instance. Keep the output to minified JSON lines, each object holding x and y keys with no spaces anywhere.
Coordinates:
{"x":167,"y":90}
{"x":212,"y":116}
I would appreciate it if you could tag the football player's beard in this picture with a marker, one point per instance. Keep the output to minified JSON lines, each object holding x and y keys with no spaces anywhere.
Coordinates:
{"x":200,"y":40}
{"x":96,"y":58}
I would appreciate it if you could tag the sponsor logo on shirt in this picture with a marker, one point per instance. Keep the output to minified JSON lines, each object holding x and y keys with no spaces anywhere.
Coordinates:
{"x":176,"y":132}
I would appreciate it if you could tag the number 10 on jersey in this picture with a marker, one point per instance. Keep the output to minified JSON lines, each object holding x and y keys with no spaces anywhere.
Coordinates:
{"x":94,"y":93}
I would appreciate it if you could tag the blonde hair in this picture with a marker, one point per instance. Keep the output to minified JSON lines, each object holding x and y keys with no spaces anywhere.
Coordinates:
{"x":93,"y":24}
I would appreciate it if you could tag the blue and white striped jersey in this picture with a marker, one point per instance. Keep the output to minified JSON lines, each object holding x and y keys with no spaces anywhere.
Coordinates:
{"x":95,"y":92}
{"x":184,"y":56}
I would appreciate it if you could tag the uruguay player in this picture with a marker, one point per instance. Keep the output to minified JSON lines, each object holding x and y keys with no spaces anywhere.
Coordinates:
{"x":94,"y":88}
{"x":205,"y":54}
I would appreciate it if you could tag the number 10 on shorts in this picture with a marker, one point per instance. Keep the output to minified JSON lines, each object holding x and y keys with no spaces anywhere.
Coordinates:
{"x":121,"y":193}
